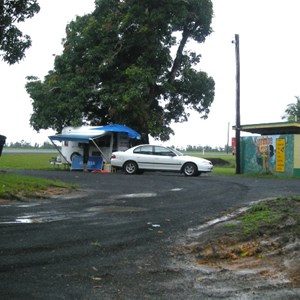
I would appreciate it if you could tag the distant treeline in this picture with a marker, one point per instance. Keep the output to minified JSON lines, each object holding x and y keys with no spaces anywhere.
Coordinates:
{"x":26,"y":145}
{"x":226,"y":148}
{"x":189,"y":148}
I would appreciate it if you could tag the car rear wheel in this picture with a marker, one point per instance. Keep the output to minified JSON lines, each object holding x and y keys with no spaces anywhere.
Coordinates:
{"x":190,"y":169}
{"x":131,"y":167}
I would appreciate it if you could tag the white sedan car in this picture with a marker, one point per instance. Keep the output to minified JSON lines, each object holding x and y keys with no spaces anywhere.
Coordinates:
{"x":158,"y":158}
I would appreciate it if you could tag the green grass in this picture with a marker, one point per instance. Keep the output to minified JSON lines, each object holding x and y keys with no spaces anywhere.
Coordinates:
{"x":26,"y":161}
{"x":13,"y":186}
{"x":228,"y":171}
{"x":267,"y":217}
{"x":257,"y":216}
{"x":296,"y":198}
{"x":271,"y":215}
{"x":219,"y":169}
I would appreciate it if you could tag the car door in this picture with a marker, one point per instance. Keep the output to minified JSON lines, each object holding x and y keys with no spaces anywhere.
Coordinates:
{"x":166,"y":159}
{"x":143,"y":155}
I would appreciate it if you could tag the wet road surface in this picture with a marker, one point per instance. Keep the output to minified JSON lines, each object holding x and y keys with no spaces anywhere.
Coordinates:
{"x":114,"y":237}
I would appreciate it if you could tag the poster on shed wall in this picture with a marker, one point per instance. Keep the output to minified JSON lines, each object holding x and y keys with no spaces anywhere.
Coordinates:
{"x":280,"y":155}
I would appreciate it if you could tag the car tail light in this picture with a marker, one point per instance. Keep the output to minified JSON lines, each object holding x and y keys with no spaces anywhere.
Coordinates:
{"x":113,"y":156}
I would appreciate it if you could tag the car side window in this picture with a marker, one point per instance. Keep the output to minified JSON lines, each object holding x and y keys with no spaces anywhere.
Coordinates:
{"x":163,"y":151}
{"x":144,"y":150}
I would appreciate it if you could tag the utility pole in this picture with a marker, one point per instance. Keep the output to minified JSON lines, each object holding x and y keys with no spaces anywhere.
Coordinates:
{"x":227,"y":150}
{"x":238,"y":116}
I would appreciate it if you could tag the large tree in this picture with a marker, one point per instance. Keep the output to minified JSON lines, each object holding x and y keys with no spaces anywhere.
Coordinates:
{"x":13,"y":42}
{"x":292,"y":112}
{"x":127,"y":63}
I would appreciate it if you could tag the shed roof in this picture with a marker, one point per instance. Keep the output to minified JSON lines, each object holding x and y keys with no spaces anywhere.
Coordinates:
{"x":272,"y":128}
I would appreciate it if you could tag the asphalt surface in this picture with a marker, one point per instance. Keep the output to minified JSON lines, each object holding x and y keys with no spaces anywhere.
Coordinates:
{"x":114,"y":237}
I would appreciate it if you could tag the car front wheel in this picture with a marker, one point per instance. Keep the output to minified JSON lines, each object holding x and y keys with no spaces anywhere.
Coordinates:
{"x":130,"y":167}
{"x":190,"y":169}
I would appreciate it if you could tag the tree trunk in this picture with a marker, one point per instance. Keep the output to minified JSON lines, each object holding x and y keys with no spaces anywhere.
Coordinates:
{"x":178,"y":58}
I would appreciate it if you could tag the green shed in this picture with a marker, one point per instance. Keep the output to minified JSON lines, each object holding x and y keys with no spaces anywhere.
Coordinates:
{"x":276,"y":150}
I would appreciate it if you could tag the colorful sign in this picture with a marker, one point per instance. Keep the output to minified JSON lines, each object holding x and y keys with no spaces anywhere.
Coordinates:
{"x":280,"y":155}
{"x":233,"y":142}
{"x":270,"y":154}
{"x":265,"y":155}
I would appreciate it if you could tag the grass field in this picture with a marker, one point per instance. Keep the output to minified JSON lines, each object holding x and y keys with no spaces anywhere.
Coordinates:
{"x":15,"y":186}
{"x":26,"y":161}
{"x":11,"y":184}
{"x":224,"y":164}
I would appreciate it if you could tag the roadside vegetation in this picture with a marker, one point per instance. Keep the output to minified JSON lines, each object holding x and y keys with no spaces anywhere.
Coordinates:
{"x":276,"y":220}
{"x":262,"y":216}
{"x":267,"y":228}
{"x":17,"y":187}
{"x":261,"y":243}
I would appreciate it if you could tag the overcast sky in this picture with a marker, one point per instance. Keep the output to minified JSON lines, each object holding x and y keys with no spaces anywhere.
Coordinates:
{"x":269,"y":59}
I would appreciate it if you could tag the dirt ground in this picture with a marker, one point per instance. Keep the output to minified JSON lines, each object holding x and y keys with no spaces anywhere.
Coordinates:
{"x":232,"y":258}
{"x":47,"y":193}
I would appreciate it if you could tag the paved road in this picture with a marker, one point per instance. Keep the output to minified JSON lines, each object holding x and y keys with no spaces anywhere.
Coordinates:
{"x":114,"y":237}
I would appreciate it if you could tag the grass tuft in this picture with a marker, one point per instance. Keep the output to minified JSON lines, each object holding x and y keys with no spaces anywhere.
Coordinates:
{"x":13,"y":186}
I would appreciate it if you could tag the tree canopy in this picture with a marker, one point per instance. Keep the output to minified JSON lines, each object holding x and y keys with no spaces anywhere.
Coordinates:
{"x":13,"y":42}
{"x":127,"y":63}
{"x":292,"y":112}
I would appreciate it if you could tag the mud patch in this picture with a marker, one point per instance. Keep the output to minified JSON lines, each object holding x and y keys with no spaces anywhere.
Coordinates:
{"x":52,"y":191}
{"x":49,"y":192}
{"x":226,"y":257}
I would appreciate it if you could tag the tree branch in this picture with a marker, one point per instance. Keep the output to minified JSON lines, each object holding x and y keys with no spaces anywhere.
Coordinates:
{"x":178,"y":58}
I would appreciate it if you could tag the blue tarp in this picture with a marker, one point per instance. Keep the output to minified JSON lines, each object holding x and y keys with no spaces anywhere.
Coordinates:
{"x":95,"y":133}
{"x":94,"y":163}
{"x":120,"y":128}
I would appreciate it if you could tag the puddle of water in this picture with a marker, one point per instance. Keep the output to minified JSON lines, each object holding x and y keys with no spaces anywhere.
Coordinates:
{"x":136,"y":195}
{"x":28,"y":205}
{"x":141,"y":195}
{"x":20,"y":205}
{"x":200,"y":229}
{"x":36,"y":219}
{"x":117,"y":209}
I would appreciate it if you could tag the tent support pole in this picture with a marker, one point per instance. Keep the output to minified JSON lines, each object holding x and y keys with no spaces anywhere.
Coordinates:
{"x":106,"y":160}
{"x":59,"y":151}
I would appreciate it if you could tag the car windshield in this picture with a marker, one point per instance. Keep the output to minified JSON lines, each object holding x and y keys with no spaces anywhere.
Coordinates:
{"x":178,"y":153}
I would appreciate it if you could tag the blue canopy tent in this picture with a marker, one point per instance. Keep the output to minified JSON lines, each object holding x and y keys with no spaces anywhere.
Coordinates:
{"x":119,"y":128}
{"x":95,"y":133}
{"x":92,"y":134}
{"x":80,"y":138}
